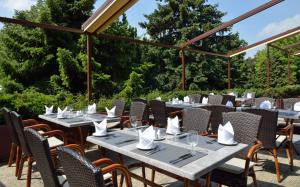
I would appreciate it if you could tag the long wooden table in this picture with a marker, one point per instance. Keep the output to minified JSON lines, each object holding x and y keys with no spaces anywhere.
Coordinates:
{"x":190,"y":171}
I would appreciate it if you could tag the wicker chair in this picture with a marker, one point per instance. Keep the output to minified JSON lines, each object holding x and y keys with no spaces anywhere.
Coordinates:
{"x":227,"y":98}
{"x":267,"y":134}
{"x":215,"y":99}
{"x":196,"y":119}
{"x":236,"y":171}
{"x":25,"y":150}
{"x":289,"y":104}
{"x":258,"y":101}
{"x":196,"y":98}
{"x":80,"y":172}
{"x":249,"y":101}
{"x":216,"y":116}
{"x":136,"y":109}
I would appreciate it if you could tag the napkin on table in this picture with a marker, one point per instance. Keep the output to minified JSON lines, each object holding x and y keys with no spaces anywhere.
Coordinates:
{"x":249,"y":95}
{"x":186,"y":99}
{"x":100,"y":128}
{"x":49,"y":110}
{"x":226,"y":133}
{"x":204,"y":100}
{"x":173,"y":126}
{"x":175,"y":100}
{"x":231,"y":93}
{"x":111,"y":112}
{"x":92,"y":109}
{"x":62,"y":113}
{"x":265,"y":105}
{"x":158,"y":98}
{"x":297,"y":107}
{"x":229,"y":104}
{"x":146,"y":138}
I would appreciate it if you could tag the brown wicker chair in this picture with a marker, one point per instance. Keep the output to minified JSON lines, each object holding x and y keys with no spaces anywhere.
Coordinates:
{"x":249,"y":101}
{"x":258,"y":101}
{"x":227,"y":98}
{"x":196,"y":98}
{"x":215,"y":99}
{"x":236,"y":171}
{"x":196,"y":119}
{"x":267,"y":135}
{"x":25,"y":150}
{"x":80,"y":172}
{"x":216,"y":116}
{"x":136,"y":109}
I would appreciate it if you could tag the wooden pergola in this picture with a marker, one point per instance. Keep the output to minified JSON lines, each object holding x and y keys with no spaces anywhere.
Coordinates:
{"x":112,"y":9}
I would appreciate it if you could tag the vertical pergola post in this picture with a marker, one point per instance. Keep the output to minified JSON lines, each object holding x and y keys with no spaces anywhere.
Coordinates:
{"x":89,"y":66}
{"x":268,"y":66}
{"x":289,"y":69}
{"x":182,"y":69}
{"x":228,"y":73}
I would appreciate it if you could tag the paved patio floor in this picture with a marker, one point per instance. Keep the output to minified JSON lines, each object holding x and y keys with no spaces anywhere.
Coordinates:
{"x":265,"y":171}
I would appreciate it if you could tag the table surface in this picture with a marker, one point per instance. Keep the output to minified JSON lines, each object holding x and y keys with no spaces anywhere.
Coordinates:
{"x":192,"y":170}
{"x":77,"y":121}
{"x":184,"y":105}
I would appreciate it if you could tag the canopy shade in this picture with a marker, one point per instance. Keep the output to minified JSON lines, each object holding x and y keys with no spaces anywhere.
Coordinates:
{"x":106,"y":14}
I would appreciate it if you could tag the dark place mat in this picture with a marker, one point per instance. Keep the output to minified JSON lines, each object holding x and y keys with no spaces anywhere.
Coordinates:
{"x":203,"y":142}
{"x":118,"y":139}
{"x":170,"y":152}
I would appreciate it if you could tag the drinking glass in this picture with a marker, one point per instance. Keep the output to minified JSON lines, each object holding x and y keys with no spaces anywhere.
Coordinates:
{"x":85,"y":113}
{"x":133,"y":121}
{"x":192,"y":139}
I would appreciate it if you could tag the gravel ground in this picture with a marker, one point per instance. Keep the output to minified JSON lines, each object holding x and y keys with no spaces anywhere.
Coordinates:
{"x":265,"y":171}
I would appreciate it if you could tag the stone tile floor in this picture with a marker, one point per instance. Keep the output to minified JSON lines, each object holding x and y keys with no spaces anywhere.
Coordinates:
{"x":265,"y":171}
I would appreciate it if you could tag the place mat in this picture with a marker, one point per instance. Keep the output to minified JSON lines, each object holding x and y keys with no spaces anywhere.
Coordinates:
{"x":203,"y":142}
{"x":290,"y":113}
{"x":72,"y":120}
{"x":169,"y":152}
{"x":101,"y":117}
{"x":118,"y":139}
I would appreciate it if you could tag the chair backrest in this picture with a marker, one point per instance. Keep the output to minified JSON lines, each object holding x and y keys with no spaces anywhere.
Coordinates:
{"x":289,"y":103}
{"x":227,"y":98}
{"x":78,"y":170}
{"x":215,"y":99}
{"x":196,"y":98}
{"x":138,"y":109}
{"x":196,"y":119}
{"x":41,"y":152}
{"x":120,"y":105}
{"x":18,"y":125}
{"x":11,"y":128}
{"x":268,"y":128}
{"x":159,"y":112}
{"x":259,"y":100}
{"x":245,"y":126}
{"x":216,"y":115}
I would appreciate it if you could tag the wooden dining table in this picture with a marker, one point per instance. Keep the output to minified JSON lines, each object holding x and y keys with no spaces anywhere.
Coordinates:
{"x":209,"y":154}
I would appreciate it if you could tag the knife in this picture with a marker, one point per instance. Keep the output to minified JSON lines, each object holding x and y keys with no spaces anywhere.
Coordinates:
{"x":179,"y":158}
{"x":125,"y":141}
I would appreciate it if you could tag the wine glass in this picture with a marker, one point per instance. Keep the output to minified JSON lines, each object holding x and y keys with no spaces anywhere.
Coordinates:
{"x":192,"y":140}
{"x":133,"y":121}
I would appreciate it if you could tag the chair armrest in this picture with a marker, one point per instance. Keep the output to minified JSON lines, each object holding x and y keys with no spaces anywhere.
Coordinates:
{"x":175,"y":113}
{"x":118,"y":167}
{"x":59,"y":133}
{"x":286,"y":130}
{"x":29,"y":122}
{"x":40,"y":127}
{"x":253,"y":149}
{"x":101,"y":161}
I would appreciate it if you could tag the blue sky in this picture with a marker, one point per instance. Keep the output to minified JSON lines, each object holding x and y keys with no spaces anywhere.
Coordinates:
{"x":279,"y":18}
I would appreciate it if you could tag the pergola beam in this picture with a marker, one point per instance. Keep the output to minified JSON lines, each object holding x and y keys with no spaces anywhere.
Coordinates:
{"x":292,"y":45}
{"x":232,"y":22}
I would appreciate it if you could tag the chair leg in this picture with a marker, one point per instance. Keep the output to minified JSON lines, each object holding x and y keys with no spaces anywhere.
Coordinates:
{"x":29,"y":171}
{"x":253,"y":175}
{"x":20,"y":171}
{"x":18,"y":158}
{"x":276,"y":164}
{"x":144,"y":173}
{"x":152,"y":175}
{"x":208,"y":180}
{"x":290,"y":156}
{"x":12,"y":154}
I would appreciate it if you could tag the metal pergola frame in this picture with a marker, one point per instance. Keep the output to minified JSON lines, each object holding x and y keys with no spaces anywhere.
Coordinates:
{"x":182,"y":48}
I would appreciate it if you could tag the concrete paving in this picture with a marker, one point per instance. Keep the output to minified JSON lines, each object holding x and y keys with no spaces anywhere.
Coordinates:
{"x":265,"y":171}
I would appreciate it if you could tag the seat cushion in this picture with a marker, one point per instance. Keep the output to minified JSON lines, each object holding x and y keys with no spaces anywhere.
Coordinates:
{"x":54,"y":142}
{"x":280,"y":139}
{"x":235,"y":166}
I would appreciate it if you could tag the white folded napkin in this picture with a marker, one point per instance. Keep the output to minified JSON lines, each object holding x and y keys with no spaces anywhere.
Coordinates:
{"x":249,"y":95}
{"x":100,"y":128}
{"x":158,"y":98}
{"x":226,"y":134}
{"x":186,"y":99}
{"x":265,"y":105}
{"x":211,"y":93}
{"x":62,"y":113}
{"x":297,"y":107}
{"x":173,"y":126}
{"x":49,"y":110}
{"x":111,"y":112}
{"x":175,"y":100}
{"x":231,"y":93}
{"x":92,"y":109}
{"x":205,"y":100}
{"x":146,"y":138}
{"x":229,"y":104}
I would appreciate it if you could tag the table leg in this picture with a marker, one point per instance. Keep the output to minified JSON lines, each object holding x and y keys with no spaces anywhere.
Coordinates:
{"x":186,"y":183}
{"x":144,"y":173}
{"x":121,"y":161}
{"x":81,"y":139}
